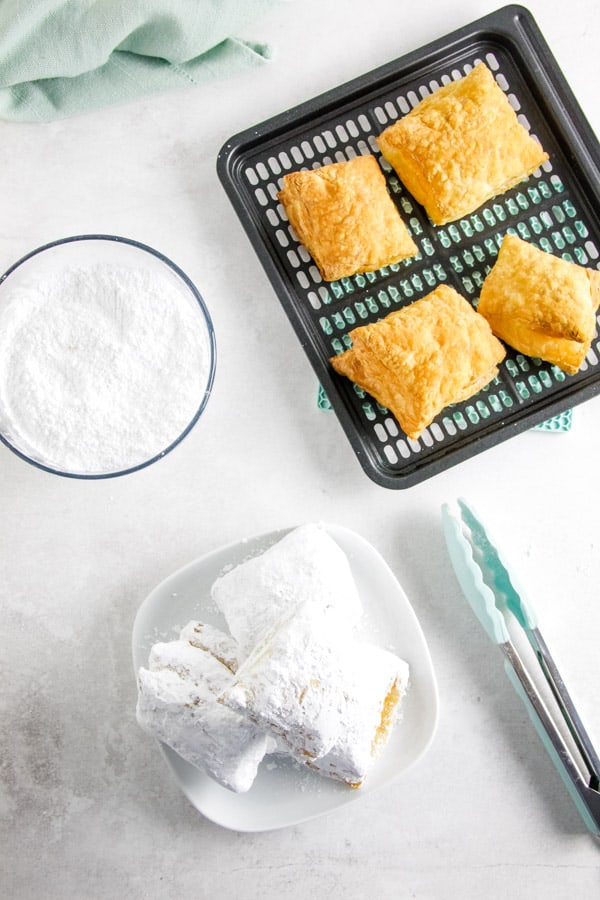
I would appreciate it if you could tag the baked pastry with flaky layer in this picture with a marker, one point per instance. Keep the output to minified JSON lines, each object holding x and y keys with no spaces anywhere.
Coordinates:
{"x":305,"y":566}
{"x":370,"y":706}
{"x":423,"y":357}
{"x":460,"y":146}
{"x":345,"y":217}
{"x":328,"y":698}
{"x":214,"y":641}
{"x":540,"y":304}
{"x":177,"y":703}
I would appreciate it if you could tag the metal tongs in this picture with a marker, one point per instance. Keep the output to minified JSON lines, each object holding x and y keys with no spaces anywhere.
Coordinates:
{"x":492,"y":591}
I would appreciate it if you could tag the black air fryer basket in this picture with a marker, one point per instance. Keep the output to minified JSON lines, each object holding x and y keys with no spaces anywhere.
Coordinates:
{"x":557,"y":209}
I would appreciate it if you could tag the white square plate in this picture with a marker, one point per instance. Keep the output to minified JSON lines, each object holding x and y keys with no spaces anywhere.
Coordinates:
{"x":285,"y":793}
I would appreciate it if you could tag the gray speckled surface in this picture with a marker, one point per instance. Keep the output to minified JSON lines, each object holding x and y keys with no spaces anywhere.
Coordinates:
{"x":88,"y":808}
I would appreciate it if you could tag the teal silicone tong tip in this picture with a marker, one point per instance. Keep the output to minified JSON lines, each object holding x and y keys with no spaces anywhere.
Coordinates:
{"x":468,"y":572}
{"x":504,"y":583}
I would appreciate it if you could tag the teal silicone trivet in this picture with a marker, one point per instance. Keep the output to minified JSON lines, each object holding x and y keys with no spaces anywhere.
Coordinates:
{"x":560,"y":423}
{"x":323,"y":399}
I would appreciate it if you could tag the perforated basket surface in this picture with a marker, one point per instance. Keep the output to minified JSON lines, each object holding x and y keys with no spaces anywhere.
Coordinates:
{"x":557,"y":209}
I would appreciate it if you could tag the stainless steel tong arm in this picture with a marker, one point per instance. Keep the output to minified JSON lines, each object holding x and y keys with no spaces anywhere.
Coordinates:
{"x":585,"y":797}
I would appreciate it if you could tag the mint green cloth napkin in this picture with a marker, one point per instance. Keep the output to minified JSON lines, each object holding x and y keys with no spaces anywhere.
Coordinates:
{"x":59,"y":58}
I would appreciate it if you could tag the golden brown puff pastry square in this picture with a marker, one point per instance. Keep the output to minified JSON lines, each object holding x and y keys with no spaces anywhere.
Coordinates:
{"x":540,"y":304}
{"x":421,"y":358}
{"x":345,"y":218}
{"x":460,"y":146}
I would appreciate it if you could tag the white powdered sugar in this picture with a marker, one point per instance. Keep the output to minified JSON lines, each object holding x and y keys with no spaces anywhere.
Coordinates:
{"x":292,"y":683}
{"x":177,"y":703}
{"x":101,"y":367}
{"x":320,"y":692}
{"x":261,"y":592}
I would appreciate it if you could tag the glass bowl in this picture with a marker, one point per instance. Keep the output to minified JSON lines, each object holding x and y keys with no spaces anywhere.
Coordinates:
{"x":107,"y":356}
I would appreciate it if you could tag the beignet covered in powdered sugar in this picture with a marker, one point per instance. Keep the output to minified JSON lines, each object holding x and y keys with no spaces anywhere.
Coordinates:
{"x":177,"y":703}
{"x":305,"y":567}
{"x":328,"y":698}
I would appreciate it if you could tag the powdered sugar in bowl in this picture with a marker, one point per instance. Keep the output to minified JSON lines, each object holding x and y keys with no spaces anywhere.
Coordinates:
{"x":107,"y":356}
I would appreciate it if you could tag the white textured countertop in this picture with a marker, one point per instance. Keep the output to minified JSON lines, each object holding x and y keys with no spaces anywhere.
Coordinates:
{"x":88,"y":808}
